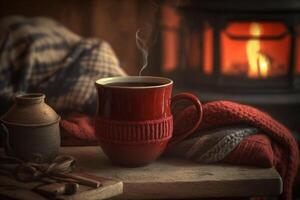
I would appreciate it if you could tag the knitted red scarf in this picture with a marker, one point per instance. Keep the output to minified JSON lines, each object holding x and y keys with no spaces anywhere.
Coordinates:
{"x":282,"y":151}
{"x":285,"y":149}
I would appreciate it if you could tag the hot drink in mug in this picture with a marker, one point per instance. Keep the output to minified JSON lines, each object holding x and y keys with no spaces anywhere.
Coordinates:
{"x":134,"y":122}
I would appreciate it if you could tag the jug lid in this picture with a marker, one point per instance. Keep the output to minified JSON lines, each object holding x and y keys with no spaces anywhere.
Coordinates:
{"x":30,"y":110}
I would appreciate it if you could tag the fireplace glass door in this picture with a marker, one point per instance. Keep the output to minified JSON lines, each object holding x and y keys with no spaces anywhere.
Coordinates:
{"x":238,"y":50}
{"x":255,"y":50}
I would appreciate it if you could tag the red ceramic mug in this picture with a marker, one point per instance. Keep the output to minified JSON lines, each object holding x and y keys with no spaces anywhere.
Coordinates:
{"x":134,"y":123}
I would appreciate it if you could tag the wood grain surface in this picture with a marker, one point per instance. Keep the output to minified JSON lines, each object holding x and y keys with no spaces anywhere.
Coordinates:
{"x":175,"y":178}
{"x":10,"y":188}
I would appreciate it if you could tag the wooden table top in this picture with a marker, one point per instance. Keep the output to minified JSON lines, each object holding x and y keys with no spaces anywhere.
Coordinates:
{"x":175,"y":178}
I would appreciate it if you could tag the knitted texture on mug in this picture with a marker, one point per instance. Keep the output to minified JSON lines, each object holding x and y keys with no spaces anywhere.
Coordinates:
{"x":146,"y":131}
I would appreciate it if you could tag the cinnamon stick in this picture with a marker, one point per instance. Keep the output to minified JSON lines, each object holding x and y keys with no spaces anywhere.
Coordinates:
{"x":81,"y":178}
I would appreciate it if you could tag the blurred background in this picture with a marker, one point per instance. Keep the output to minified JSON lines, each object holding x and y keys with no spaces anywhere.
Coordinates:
{"x":243,"y":51}
{"x":114,"y":21}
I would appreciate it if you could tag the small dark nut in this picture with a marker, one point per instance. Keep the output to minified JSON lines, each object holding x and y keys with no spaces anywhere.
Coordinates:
{"x":71,"y":188}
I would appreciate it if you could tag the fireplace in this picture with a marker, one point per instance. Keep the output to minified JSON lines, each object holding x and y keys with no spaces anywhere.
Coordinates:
{"x":245,"y":51}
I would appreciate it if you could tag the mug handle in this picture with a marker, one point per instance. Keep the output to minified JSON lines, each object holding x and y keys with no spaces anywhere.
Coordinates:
{"x":196,"y":102}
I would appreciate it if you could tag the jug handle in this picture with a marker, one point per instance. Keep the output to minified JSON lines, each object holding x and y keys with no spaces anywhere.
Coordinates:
{"x":6,"y":144}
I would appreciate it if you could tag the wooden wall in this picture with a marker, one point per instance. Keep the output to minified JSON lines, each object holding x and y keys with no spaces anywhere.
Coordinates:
{"x":115,"y":21}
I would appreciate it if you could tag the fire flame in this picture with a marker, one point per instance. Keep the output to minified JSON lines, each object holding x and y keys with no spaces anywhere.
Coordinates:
{"x":259,"y":63}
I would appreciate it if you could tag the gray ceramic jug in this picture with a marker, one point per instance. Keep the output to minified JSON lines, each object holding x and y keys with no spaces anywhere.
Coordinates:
{"x":31,"y":129}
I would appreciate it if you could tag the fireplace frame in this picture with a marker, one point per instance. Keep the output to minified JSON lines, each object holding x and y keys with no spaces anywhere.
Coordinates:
{"x":219,"y":14}
{"x":280,"y":96}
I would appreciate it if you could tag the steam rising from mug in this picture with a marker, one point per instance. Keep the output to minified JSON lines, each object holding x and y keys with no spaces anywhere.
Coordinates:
{"x":144,"y":39}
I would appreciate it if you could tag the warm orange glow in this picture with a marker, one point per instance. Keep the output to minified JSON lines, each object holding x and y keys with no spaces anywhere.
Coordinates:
{"x":193,"y":51}
{"x":263,"y":65}
{"x":208,"y":51}
{"x":254,"y":57}
{"x":170,"y":50}
{"x":258,"y":63}
{"x":298,"y":50}
{"x":170,"y":37}
{"x":253,"y":48}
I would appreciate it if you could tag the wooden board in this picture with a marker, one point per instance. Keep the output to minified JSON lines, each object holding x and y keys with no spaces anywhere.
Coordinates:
{"x":178,"y":179}
{"x":9,"y":187}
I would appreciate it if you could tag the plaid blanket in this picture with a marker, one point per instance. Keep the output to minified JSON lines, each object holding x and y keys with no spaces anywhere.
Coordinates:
{"x":41,"y":55}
